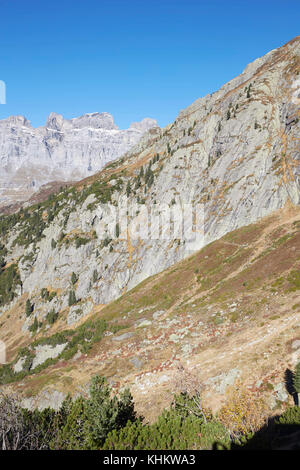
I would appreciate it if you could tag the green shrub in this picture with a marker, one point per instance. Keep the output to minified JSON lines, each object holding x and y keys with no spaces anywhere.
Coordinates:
{"x":79,"y":241}
{"x":52,"y":317}
{"x":290,"y":416}
{"x":35,"y":325}
{"x":171,"y":431}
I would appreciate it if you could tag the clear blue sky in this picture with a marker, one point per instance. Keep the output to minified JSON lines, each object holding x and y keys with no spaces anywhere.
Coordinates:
{"x":131,"y":58}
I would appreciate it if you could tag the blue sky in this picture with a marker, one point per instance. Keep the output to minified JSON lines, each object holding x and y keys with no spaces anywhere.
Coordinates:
{"x":131,"y":58}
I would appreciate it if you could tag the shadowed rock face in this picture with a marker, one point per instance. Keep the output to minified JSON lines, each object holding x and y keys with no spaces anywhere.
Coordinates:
{"x":62,"y":150}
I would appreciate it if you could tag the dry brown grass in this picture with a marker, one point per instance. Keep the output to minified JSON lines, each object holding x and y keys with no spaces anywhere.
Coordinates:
{"x":256,"y":337}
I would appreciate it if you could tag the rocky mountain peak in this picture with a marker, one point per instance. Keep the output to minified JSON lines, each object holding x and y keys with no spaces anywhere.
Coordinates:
{"x":95,"y":121}
{"x":55,"y":121}
{"x":17,"y":121}
{"x":144,"y":125}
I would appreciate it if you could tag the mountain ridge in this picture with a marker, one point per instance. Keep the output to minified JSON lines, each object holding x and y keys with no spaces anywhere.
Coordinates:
{"x":62,"y":150}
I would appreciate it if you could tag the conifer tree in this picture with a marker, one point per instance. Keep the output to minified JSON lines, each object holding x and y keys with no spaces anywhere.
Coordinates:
{"x":95,"y":275}
{"x":128,"y":189}
{"x":73,"y":278}
{"x":28,"y":308}
{"x":296,"y":381}
{"x":72,"y":298}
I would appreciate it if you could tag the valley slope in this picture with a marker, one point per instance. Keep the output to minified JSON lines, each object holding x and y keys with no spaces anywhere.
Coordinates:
{"x":218,"y":303}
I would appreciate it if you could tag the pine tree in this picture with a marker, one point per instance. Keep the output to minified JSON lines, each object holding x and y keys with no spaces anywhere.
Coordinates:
{"x":296,"y":381}
{"x":151,"y":178}
{"x":34,"y":327}
{"x":104,"y":413}
{"x":128,"y":189}
{"x":138,"y":182}
{"x":95,"y":275}
{"x":71,"y":435}
{"x":72,"y":298}
{"x":28,"y":308}
{"x":73,"y":278}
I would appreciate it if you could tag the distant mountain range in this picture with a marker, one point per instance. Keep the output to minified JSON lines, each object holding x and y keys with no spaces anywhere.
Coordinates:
{"x":62,"y":150}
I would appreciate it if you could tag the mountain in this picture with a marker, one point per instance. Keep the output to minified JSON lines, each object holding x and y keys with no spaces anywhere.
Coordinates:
{"x":102,"y":276}
{"x":62,"y":150}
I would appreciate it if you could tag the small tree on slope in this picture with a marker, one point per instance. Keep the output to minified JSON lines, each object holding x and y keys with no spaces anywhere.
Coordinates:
{"x":296,"y":382}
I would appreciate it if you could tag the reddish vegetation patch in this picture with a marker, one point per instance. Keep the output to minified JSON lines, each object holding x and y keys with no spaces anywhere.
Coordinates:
{"x":220,"y":305}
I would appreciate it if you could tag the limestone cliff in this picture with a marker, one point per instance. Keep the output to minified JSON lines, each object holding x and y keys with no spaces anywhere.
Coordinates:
{"x":62,"y":150}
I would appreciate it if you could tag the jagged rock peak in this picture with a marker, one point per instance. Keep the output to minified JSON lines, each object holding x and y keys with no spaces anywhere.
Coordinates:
{"x":15,"y":121}
{"x":62,"y":150}
{"x":92,"y":120}
{"x":95,"y":121}
{"x":55,"y":121}
{"x":144,"y":125}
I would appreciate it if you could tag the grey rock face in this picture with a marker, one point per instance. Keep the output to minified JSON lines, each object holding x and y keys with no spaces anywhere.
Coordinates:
{"x":222,"y":381}
{"x":137,"y":363}
{"x":234,"y":154}
{"x":44,"y":352}
{"x":47,"y":398}
{"x":122,"y":337}
{"x":18,"y":367}
{"x":281,"y":393}
{"x":63,"y":150}
{"x":76,"y":313}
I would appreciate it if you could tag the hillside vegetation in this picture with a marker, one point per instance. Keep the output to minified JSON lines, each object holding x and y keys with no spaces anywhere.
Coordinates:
{"x":239,"y":315}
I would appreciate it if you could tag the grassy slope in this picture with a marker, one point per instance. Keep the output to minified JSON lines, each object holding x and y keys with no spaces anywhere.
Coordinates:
{"x":234,"y":304}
